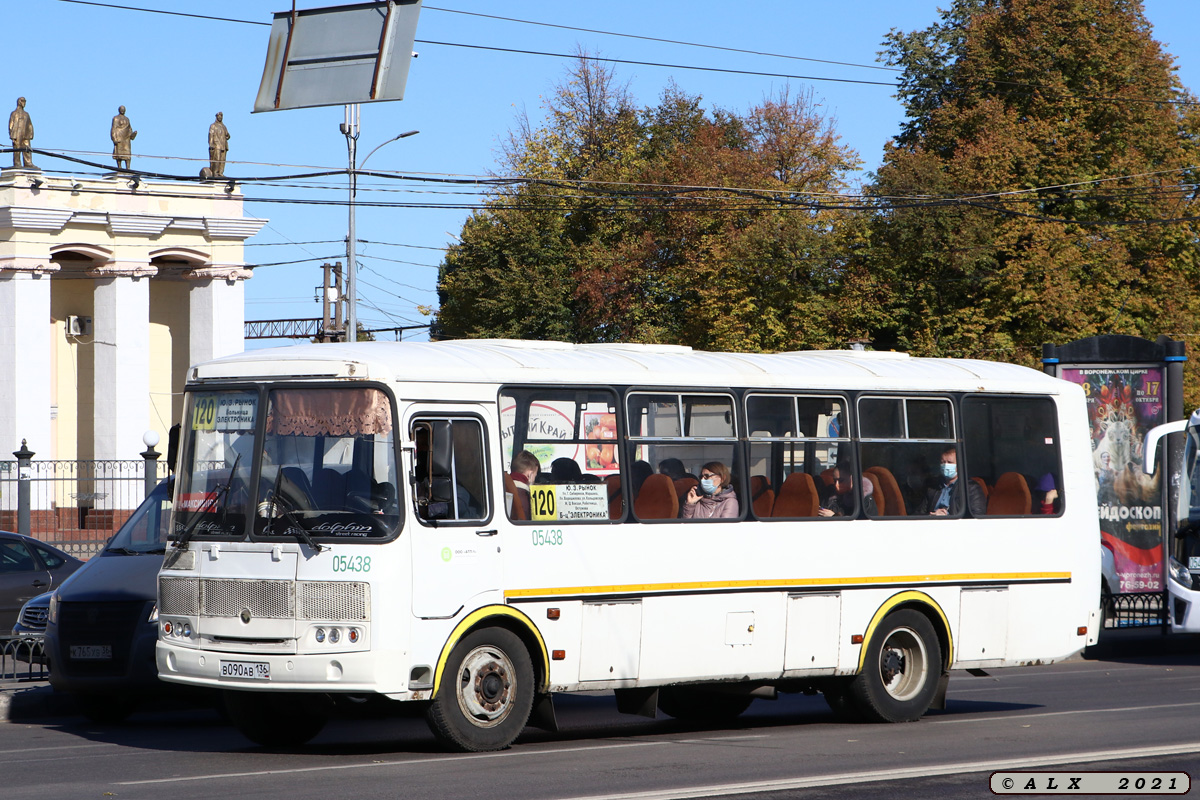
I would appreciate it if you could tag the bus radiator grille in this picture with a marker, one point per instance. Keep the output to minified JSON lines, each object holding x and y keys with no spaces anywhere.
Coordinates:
{"x":263,"y":599}
{"x":334,"y":601}
{"x":178,"y":596}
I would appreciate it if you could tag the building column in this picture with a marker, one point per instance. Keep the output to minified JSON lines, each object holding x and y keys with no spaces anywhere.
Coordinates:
{"x":25,"y":374}
{"x":121,"y":346}
{"x":217,"y":304}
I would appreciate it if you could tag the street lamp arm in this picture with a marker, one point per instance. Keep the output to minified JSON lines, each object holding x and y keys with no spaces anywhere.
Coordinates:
{"x":404,"y":135}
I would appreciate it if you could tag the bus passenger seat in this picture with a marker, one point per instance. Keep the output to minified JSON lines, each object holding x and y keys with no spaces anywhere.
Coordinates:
{"x":520,"y":500}
{"x":982,"y":484}
{"x":683,"y":486}
{"x":1010,"y":496}
{"x":616,"y":502}
{"x":797,"y":497}
{"x":762,"y":496}
{"x":893,"y":500}
{"x":657,"y":499}
{"x":295,"y":489}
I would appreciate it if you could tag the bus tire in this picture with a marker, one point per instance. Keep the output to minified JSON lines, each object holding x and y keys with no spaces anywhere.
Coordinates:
{"x":691,"y":704}
{"x":901,"y":670}
{"x":486,"y":693}
{"x":277,"y":719}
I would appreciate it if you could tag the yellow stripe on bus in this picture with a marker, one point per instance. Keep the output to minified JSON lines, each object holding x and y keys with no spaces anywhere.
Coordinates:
{"x":692,"y":586}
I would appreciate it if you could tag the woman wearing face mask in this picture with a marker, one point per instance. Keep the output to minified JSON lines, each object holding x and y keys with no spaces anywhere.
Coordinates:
{"x":714,"y":498}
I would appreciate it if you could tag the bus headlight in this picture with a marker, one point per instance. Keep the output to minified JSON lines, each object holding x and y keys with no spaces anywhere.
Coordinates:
{"x":320,"y":635}
{"x":1179,"y":573}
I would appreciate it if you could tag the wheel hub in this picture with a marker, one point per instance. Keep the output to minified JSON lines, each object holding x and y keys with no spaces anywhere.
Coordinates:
{"x":891,"y":665}
{"x":491,"y":686}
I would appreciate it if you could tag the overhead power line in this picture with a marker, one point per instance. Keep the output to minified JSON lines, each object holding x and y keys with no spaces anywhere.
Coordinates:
{"x":663,"y":41}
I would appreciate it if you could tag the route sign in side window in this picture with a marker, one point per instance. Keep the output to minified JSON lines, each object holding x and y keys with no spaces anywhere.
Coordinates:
{"x":560,"y":454}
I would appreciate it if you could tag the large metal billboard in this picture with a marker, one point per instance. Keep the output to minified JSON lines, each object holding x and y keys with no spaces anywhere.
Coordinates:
{"x":334,"y":56}
{"x":1132,"y":384}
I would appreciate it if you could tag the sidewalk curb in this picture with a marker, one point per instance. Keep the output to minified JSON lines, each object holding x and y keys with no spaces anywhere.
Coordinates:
{"x":33,"y":701}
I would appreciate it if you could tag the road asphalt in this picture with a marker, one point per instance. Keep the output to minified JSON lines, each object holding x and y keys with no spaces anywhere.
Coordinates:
{"x":29,"y":699}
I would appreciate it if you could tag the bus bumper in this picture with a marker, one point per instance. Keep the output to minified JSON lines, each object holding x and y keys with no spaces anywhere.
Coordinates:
{"x":355,"y":673}
{"x":1183,"y":608}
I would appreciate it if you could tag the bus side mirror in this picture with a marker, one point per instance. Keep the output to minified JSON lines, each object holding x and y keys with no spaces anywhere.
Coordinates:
{"x":1150,"y":450}
{"x":173,"y":446}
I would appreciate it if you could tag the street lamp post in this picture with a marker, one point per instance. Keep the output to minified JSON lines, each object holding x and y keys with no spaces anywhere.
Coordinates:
{"x":350,"y":128}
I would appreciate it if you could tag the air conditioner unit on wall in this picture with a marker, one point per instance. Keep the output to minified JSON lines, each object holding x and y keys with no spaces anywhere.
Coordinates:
{"x":79,"y":326}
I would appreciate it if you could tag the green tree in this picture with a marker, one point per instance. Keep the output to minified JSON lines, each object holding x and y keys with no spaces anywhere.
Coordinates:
{"x":1036,"y":190}
{"x":669,"y":223}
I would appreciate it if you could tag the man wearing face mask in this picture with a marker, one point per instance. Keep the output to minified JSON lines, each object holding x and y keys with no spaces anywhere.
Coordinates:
{"x":714,"y":498}
{"x":946,"y":500}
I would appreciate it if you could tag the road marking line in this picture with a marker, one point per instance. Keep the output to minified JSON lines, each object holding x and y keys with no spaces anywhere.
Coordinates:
{"x":841,"y":779}
{"x":996,"y":717}
{"x":59,"y":747}
{"x":432,"y":760}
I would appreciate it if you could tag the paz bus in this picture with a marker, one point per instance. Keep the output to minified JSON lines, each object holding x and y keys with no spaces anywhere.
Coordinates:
{"x":1182,"y":612}
{"x":348,"y":527}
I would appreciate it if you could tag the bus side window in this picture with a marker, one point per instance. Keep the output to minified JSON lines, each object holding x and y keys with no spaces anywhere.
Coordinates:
{"x":449,"y":482}
{"x":1011,"y":449}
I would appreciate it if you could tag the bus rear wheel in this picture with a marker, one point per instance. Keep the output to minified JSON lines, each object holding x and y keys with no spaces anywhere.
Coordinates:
{"x":901,"y":670}
{"x":486,"y":693}
{"x":274,"y":719}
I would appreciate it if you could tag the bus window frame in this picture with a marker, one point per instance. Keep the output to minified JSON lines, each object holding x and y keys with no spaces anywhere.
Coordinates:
{"x":849,"y":411}
{"x":953,"y":400}
{"x":965,"y":456}
{"x":428,"y":414}
{"x":738,"y":462}
{"x":263,"y":391}
{"x":538,"y":392}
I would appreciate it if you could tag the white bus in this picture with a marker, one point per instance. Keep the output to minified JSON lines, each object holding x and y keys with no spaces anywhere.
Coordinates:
{"x":347,"y":526}
{"x":1182,"y":613}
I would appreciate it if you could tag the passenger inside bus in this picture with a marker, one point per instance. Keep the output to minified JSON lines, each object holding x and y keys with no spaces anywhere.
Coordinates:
{"x":714,"y":498}
{"x":525,"y":470}
{"x":840,"y":502}
{"x":565,"y":470}
{"x":946,"y":499}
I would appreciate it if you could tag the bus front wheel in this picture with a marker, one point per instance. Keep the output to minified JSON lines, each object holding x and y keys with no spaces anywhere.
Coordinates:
{"x":486,"y":693}
{"x":901,"y":670}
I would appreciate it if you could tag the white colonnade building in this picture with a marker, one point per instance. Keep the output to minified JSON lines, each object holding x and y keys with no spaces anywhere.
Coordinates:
{"x":110,"y":288}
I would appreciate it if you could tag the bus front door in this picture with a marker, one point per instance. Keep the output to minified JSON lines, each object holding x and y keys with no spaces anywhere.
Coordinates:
{"x":456,"y":544}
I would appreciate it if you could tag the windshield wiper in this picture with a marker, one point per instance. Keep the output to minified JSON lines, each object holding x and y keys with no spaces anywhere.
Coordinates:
{"x":277,"y":504}
{"x":182,"y":540}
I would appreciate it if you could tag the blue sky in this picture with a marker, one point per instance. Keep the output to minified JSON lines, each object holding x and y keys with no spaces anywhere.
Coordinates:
{"x":76,"y":63}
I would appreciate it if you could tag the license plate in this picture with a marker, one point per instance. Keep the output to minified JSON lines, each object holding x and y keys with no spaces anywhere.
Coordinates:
{"x":91,"y":652}
{"x":254,"y":670}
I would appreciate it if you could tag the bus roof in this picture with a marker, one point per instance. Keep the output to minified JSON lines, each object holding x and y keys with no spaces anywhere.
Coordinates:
{"x":524,"y":361}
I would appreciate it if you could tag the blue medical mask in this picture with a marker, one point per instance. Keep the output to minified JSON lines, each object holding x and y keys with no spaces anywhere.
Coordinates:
{"x":949,"y":471}
{"x":708,"y":486}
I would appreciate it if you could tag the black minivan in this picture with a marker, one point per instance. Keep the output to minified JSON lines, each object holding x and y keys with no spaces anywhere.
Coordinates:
{"x":103,"y":621}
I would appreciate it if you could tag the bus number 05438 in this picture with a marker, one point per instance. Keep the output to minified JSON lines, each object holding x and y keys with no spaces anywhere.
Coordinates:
{"x":547,"y":537}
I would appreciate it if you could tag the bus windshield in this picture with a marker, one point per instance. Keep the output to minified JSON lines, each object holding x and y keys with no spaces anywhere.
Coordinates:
{"x":325,"y":466}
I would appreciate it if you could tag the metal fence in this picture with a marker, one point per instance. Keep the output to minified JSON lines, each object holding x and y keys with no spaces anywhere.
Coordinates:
{"x":74,"y":505}
{"x":1135,"y":610}
{"x":21,"y":659}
